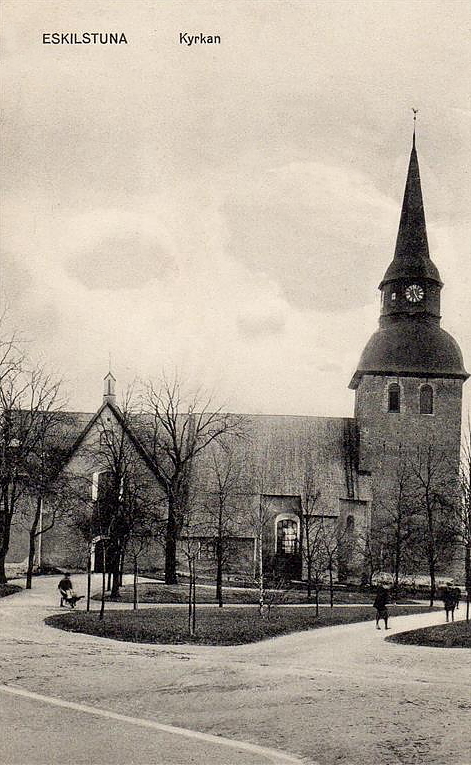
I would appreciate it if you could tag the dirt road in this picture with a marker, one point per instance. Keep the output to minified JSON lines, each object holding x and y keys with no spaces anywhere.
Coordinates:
{"x":336,"y":695}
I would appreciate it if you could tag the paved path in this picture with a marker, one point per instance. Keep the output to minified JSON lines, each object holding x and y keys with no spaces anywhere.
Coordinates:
{"x":335,"y":695}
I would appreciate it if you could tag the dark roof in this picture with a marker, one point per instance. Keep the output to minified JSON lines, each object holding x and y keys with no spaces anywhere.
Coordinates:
{"x":61,"y":428}
{"x":411,"y":256}
{"x":70,"y":425}
{"x":414,"y":348}
{"x":283,"y":446}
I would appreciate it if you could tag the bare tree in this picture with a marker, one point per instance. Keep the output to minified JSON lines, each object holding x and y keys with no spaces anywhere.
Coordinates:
{"x":312,"y":546}
{"x":179,"y":430}
{"x":193,"y":531}
{"x":127,"y":500}
{"x":334,"y":533}
{"x":435,"y":496}
{"x":226,"y":485}
{"x":191,"y":549}
{"x":463,"y":512}
{"x":259,"y":519}
{"x":316,"y":557}
{"x":372,"y":544}
{"x":399,"y":523}
{"x":29,"y":408}
{"x":138,"y":544}
{"x":12,"y":392}
{"x":51,"y":495}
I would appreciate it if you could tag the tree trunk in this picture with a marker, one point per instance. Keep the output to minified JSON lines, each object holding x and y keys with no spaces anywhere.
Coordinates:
{"x":219,"y":556}
{"x":171,"y":547}
{"x":31,"y":552}
{"x":121,"y":568}
{"x":5,"y":525}
{"x":433,"y":586}
{"x":3,"y":576}
{"x":309,"y":578}
{"x":261,"y":596}
{"x":430,"y":545}
{"x":331,"y":586}
{"x":193,"y":622}
{"x":115,"y":566}
{"x":115,"y":585}
{"x":103,"y":587}
{"x":135,"y":600}
{"x":467,"y":576}
{"x":397,"y":558}
{"x":317,"y":602}
{"x":32,"y":543}
{"x":219,"y":585}
{"x":89,"y":579}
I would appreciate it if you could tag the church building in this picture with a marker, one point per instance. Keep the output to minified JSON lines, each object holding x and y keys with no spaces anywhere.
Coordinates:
{"x":408,"y":396}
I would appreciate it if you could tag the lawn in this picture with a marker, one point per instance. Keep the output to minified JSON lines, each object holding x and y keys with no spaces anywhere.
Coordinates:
{"x":9,"y":589}
{"x":215,"y":626}
{"x":451,"y":635}
{"x":156,"y":592}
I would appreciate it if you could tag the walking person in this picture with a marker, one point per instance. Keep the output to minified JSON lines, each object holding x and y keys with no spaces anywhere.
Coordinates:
{"x":380,"y":602}
{"x":65,"y":588}
{"x":449,"y":602}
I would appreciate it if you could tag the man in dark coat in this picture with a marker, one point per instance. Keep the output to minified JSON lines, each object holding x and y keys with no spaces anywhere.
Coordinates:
{"x":449,"y":601}
{"x":382,"y":597}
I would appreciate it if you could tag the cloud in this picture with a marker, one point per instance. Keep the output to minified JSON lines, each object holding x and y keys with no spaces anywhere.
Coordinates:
{"x":316,"y":230}
{"x":121,"y":262}
{"x":330,"y":368}
{"x":260,"y":325}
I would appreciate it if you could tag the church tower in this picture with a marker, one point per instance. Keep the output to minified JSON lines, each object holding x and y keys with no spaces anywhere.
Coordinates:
{"x":408,"y":384}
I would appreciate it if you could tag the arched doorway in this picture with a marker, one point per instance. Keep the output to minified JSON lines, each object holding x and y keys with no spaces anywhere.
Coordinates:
{"x":288,"y":564}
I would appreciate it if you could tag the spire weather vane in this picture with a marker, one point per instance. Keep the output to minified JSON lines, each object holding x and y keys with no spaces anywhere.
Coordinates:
{"x":415,"y":118}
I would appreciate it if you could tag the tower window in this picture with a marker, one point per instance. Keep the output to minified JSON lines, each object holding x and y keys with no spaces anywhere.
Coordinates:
{"x":393,"y":296}
{"x":426,"y":399}
{"x":394,"y":398}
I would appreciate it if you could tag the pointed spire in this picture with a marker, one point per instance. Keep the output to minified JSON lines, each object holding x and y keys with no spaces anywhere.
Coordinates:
{"x":412,"y":235}
{"x":411,"y":255}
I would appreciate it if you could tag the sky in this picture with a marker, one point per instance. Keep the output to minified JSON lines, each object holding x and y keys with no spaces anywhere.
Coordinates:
{"x":226,"y":212}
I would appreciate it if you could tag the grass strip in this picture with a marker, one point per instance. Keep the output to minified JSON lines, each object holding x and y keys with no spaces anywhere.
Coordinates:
{"x":451,"y":635}
{"x":215,"y":626}
{"x":150,"y":592}
{"x":9,"y":589}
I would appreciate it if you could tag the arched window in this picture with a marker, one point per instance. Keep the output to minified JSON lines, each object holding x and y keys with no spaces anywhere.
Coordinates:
{"x":287,"y":536}
{"x":426,"y":399}
{"x":394,"y":398}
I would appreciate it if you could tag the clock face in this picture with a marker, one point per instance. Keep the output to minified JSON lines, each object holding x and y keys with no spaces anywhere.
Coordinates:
{"x":414,"y":293}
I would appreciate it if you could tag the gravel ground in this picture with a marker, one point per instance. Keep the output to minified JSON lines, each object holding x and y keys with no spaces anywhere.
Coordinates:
{"x":336,"y":695}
